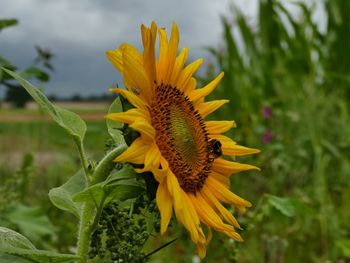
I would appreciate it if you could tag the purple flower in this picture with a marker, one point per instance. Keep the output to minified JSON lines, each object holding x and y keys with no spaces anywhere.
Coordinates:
{"x":267,"y":137}
{"x":266,"y":112}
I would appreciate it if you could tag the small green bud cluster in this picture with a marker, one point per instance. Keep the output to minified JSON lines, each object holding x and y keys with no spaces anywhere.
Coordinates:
{"x":120,"y":236}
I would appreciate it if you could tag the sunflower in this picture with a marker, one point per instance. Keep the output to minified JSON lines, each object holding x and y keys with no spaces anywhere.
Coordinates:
{"x":182,"y":150}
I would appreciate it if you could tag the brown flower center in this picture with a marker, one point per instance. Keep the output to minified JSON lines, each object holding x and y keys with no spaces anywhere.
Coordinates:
{"x":181,"y":137}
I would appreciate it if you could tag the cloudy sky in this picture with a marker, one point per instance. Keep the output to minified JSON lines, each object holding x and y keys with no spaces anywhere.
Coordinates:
{"x":78,"y":32}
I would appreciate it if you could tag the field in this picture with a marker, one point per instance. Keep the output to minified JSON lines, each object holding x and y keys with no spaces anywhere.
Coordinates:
{"x":289,"y":90}
{"x":27,"y":130}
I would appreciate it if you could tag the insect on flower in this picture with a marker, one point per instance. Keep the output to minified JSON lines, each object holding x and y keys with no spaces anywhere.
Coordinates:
{"x":215,"y":148}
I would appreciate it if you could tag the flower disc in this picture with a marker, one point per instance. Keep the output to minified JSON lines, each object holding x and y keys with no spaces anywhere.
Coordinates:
{"x":181,"y":137}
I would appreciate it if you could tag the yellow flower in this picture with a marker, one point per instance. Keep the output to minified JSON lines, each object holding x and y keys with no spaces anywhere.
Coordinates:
{"x":181,"y":149}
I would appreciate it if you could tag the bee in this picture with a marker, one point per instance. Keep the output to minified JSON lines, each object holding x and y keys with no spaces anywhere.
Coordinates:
{"x":215,"y":151}
{"x":135,"y":90}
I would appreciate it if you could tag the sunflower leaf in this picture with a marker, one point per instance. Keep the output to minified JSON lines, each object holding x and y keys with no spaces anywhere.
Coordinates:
{"x":68,"y":120}
{"x":127,"y":172}
{"x":15,"y":248}
{"x":101,"y":193}
{"x":114,"y":128}
{"x":6,"y":258}
{"x":10,"y":238}
{"x":31,"y":221}
{"x":121,"y":185}
{"x":62,"y":197}
{"x":37,"y":256}
{"x":34,"y":72}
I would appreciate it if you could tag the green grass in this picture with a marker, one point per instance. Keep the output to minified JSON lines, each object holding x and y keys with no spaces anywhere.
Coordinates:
{"x":48,"y":136}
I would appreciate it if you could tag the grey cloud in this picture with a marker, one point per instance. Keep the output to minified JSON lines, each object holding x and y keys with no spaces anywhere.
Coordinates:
{"x":79,"y":32}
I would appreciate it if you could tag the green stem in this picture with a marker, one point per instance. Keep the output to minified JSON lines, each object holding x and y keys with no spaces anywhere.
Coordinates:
{"x":84,"y":232}
{"x":88,"y":220}
{"x":104,"y":167}
{"x":98,"y":214}
{"x":83,"y":158}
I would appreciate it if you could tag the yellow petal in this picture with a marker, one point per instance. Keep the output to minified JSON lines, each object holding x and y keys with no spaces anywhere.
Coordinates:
{"x":133,"y":68}
{"x":217,"y":127}
{"x":147,"y":131}
{"x":149,"y":60}
{"x":223,"y":194}
{"x":223,"y":139}
{"x":234,"y":235}
{"x":186,"y":218}
{"x":223,"y":211}
{"x":152,"y":158}
{"x":130,"y":49}
{"x":207,"y":215}
{"x":132,"y":98}
{"x":223,"y":166}
{"x":175,"y":191}
{"x":205,"y":91}
{"x":184,"y":210}
{"x":162,"y":66}
{"x":135,"y":153}
{"x":237,"y":150}
{"x":179,"y":63}
{"x":191,"y":208}
{"x":191,"y":85}
{"x":116,"y":58}
{"x":208,"y":107}
{"x":129,"y":116}
{"x":165,"y":205}
{"x":172,"y":51}
{"x":210,"y":218}
{"x":221,"y":178}
{"x":187,"y":74}
{"x":202,"y":250}
{"x":210,"y":235}
{"x":167,"y":54}
{"x":161,"y":173}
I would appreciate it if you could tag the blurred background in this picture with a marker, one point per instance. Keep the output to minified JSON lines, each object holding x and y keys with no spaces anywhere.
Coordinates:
{"x":287,"y":75}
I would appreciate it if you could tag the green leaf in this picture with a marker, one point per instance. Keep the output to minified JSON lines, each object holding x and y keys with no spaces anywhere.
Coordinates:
{"x":7,"y":23}
{"x":10,"y":238}
{"x":98,"y":193}
{"x":6,"y":258}
{"x":68,"y":120}
{"x":15,"y":248}
{"x":283,"y":205}
{"x":31,"y":221}
{"x":123,"y":190}
{"x":114,"y":128}
{"x":4,"y":63}
{"x":38,"y":256}
{"x":72,"y":123}
{"x":127,"y":172}
{"x":121,"y":185}
{"x":61,"y":196}
{"x":34,"y":72}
